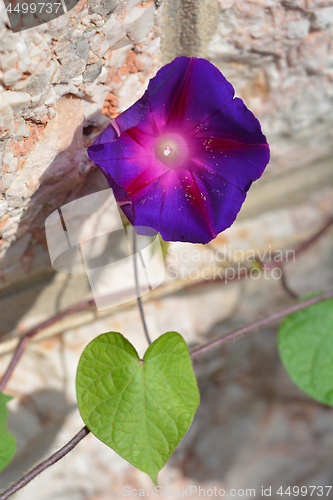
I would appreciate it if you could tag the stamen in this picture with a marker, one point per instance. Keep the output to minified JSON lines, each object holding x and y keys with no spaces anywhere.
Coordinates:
{"x":171,"y":149}
{"x":167,"y":151}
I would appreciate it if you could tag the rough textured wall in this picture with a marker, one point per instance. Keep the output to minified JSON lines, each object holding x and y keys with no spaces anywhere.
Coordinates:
{"x":279,"y":55}
{"x":62,"y":81}
{"x":59,"y":85}
{"x":259,"y":429}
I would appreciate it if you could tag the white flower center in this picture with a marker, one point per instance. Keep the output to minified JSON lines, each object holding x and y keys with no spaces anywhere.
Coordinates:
{"x":167,"y":151}
{"x":171,"y":149}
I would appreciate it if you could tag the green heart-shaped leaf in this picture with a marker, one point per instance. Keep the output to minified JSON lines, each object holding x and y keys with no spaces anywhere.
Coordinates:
{"x":306,"y":349}
{"x":7,"y":440}
{"x":140,"y":408}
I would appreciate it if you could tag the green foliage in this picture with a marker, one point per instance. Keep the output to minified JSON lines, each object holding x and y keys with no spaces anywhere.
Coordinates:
{"x":7,"y":440}
{"x":140,"y":408}
{"x":306,"y":348}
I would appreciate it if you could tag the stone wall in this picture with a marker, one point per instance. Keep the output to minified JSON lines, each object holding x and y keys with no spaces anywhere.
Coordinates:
{"x":60,"y":85}
{"x":61,"y":82}
{"x":279,"y":55}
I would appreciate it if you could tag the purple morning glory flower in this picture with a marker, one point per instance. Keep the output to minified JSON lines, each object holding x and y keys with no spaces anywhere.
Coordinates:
{"x":182,"y":158}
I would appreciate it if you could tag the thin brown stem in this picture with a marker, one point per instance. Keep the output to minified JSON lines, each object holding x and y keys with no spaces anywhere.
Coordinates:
{"x":137,"y":289}
{"x":285,"y":284}
{"x":15,"y":359}
{"x":315,"y":237}
{"x":261,"y":322}
{"x":194,"y":353}
{"x":31,"y":333}
{"x":306,"y":244}
{"x":45,"y":464}
{"x":89,"y":303}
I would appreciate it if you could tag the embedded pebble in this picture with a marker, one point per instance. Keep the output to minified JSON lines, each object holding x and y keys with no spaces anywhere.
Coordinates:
{"x":92,"y":71}
{"x":11,"y":77}
{"x":76,"y":54}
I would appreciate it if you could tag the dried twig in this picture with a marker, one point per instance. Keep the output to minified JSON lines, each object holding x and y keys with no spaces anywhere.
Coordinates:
{"x":261,"y":322}
{"x":31,"y":333}
{"x":90,"y":303}
{"x":194,"y":353}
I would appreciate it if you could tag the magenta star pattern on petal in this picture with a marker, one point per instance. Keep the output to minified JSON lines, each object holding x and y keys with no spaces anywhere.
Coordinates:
{"x":182,"y":158}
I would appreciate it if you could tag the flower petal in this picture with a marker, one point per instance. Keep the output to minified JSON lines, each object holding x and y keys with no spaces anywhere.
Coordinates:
{"x":131,"y":165}
{"x":233,"y":146}
{"x":120,"y":195}
{"x":172,"y":205}
{"x":186,"y":92}
{"x":237,"y":163}
{"x":163,"y":90}
{"x":128,"y":119}
{"x":198,"y":197}
{"x":221,"y":199}
{"x":110,"y":134}
{"x":204,"y":91}
{"x":133,"y":115}
{"x":234,"y":122}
